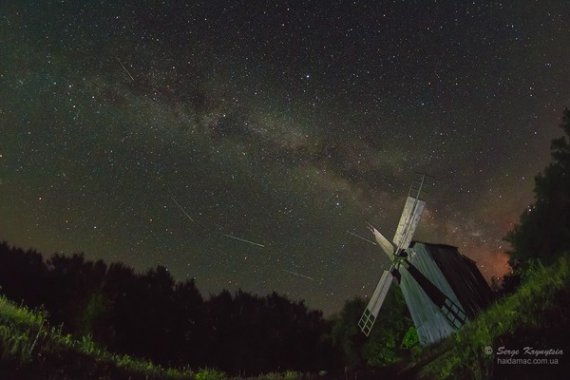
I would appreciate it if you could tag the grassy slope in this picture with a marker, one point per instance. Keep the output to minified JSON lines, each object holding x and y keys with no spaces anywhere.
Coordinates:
{"x":537,"y":315}
{"x":31,"y":349}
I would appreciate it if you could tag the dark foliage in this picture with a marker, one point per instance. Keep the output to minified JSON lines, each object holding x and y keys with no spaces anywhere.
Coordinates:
{"x":391,"y":339}
{"x":152,"y":316}
{"x":543,"y":231}
{"x":549,"y":330}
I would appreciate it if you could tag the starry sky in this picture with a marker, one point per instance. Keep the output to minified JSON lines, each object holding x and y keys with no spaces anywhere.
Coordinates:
{"x":237,"y":142}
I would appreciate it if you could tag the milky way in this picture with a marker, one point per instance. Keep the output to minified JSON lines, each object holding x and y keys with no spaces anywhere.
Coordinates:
{"x":238,"y":142}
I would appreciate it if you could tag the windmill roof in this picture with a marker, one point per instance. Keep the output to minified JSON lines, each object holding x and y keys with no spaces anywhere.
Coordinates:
{"x":432,"y":244}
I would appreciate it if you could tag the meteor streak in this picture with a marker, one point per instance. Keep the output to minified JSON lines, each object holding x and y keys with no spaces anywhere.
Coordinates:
{"x":298,"y":275}
{"x":244,"y":240}
{"x":361,"y":238}
{"x":182,"y":209}
{"x":125,"y":69}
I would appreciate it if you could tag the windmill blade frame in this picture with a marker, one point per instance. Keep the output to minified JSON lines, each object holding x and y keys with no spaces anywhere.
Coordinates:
{"x":408,"y":223}
{"x":384,"y":243}
{"x":370,"y":314}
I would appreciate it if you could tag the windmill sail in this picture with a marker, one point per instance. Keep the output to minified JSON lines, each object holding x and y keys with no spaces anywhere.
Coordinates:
{"x":384,"y":243}
{"x":369,"y":316}
{"x":408,"y":222}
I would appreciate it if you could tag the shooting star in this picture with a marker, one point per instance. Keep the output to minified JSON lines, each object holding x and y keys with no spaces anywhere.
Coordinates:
{"x":298,"y":275}
{"x":244,"y":240}
{"x":360,"y":237}
{"x":125,"y":69}
{"x":182,"y":209}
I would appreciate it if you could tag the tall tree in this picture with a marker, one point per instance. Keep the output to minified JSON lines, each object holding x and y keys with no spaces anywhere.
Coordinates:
{"x":543,"y":231}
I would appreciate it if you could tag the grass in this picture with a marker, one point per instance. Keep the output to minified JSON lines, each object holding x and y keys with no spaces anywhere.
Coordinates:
{"x":32,"y":349}
{"x":537,"y":314}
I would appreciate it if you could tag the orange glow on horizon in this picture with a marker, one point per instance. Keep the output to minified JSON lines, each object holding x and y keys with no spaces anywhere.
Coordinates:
{"x":493,"y":263}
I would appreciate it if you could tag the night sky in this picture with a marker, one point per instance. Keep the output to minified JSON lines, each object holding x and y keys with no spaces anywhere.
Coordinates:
{"x":162,"y":132}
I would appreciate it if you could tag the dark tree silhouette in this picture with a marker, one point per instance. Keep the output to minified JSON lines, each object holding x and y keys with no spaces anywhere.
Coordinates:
{"x":543,"y":231}
{"x":384,"y":346}
{"x":19,"y":271}
{"x":346,"y":335}
{"x":152,"y":316}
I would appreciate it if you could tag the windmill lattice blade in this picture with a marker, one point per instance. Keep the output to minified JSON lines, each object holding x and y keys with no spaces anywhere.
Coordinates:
{"x":371,"y":312}
{"x":408,"y":222}
{"x":384,"y":243}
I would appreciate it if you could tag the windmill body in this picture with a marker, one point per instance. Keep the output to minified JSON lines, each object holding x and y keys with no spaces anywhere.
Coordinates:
{"x":442,"y":288}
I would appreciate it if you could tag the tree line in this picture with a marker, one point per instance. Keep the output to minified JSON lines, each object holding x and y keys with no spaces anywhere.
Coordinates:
{"x":152,"y":316}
